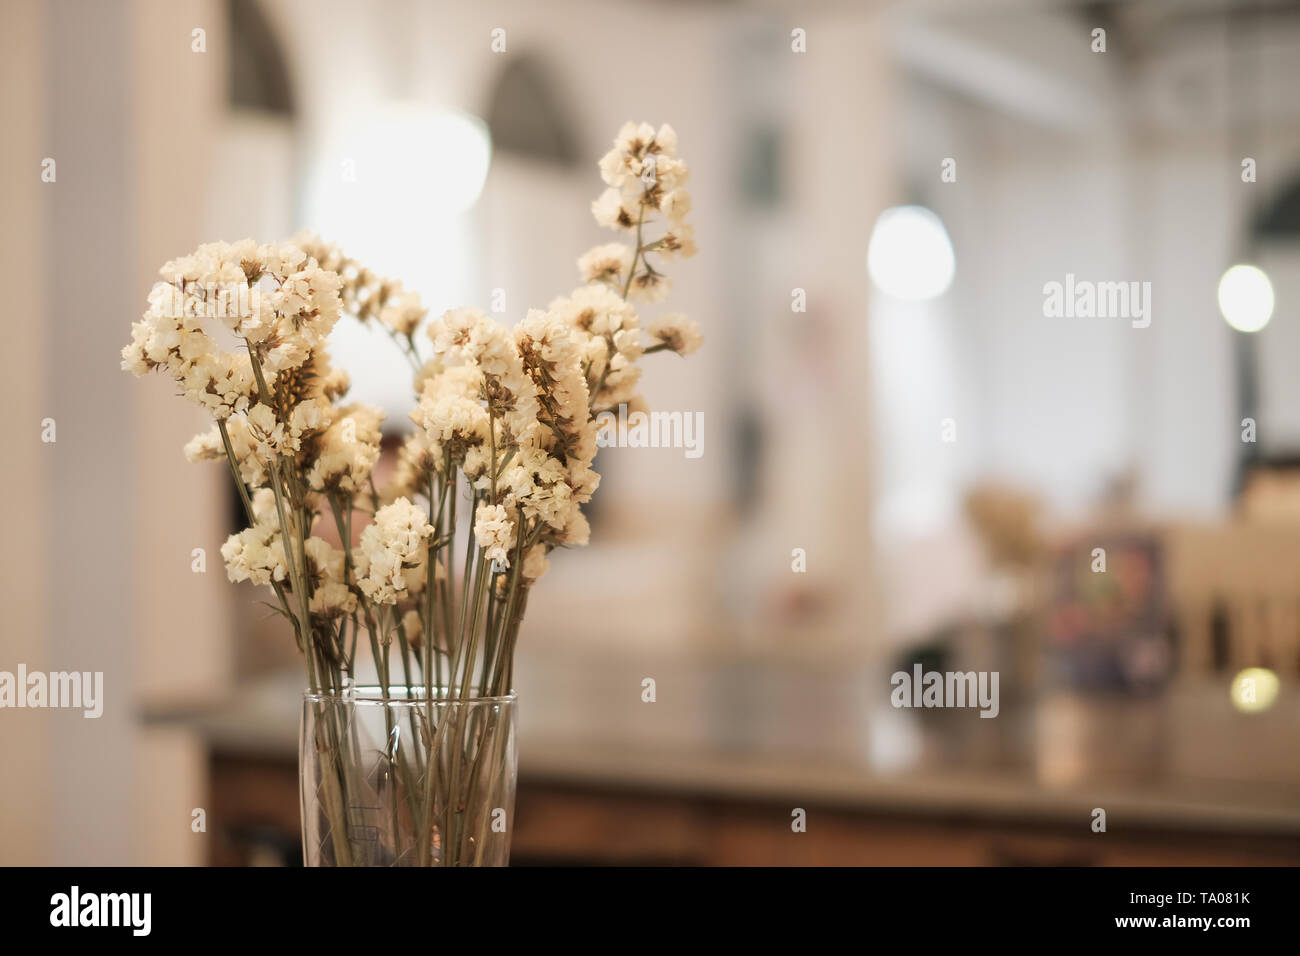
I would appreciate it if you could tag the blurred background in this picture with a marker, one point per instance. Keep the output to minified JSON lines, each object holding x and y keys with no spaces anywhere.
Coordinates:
{"x":907,"y":459}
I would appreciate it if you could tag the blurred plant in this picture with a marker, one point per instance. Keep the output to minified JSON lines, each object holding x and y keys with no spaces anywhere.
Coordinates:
{"x":1008,"y":522}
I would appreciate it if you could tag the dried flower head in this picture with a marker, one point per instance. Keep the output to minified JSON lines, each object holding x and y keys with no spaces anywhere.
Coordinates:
{"x":392,"y":555}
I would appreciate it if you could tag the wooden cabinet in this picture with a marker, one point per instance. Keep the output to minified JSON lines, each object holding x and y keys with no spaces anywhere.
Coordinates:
{"x":254,"y":819}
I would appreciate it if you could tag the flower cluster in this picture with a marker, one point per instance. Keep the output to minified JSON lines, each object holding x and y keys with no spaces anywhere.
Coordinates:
{"x":367,"y":296}
{"x":347,"y":451}
{"x":256,"y":554}
{"x":644,"y":178}
{"x":273,"y":297}
{"x":391,"y":560}
{"x":505,"y":419}
{"x":646,"y":192}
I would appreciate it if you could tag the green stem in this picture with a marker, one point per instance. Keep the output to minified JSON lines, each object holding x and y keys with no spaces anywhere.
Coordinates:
{"x":459,"y":649}
{"x":627,"y":286}
{"x":482,"y":574}
{"x":234,"y":470}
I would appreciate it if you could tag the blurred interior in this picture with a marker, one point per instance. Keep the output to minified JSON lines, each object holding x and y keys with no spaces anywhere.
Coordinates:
{"x":944,"y":468}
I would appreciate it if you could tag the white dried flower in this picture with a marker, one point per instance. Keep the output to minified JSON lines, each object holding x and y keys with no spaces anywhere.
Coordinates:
{"x":252,"y":465}
{"x":332,"y":599}
{"x":275,"y":298}
{"x":565,"y":424}
{"x":404,"y":313}
{"x":393,"y":550}
{"x":607,"y":263}
{"x":267,"y":431}
{"x":205,"y":446}
{"x":365,"y":295}
{"x":678,"y":241}
{"x":679,"y":332}
{"x":494,"y":530}
{"x":573,"y":530}
{"x":535,"y":563}
{"x":676,"y":205}
{"x":308,"y":418}
{"x":256,"y":554}
{"x":650,"y":286}
{"x":612,"y":211}
{"x":666,"y":140}
{"x":326,"y":569}
{"x":264,"y":507}
{"x":595,"y":310}
{"x":453,"y":422}
{"x":324,"y":561}
{"x":348,"y":450}
{"x":416,"y":465}
{"x":335,"y":384}
{"x":413,"y":625}
{"x":467,"y":336}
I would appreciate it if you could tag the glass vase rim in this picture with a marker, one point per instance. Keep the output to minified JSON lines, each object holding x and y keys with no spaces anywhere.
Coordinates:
{"x":414,"y":694}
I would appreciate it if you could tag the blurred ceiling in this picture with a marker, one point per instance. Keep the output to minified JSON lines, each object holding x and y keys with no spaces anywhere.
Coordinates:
{"x":1170,"y":66}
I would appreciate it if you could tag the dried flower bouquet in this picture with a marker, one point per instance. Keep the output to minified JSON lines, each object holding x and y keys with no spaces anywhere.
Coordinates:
{"x":504,"y":441}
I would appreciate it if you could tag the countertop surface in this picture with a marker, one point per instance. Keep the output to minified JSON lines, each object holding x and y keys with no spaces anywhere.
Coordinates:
{"x":1145,"y":764}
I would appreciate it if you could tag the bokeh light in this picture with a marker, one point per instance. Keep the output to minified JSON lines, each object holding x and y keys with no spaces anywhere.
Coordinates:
{"x":910,"y":256}
{"x":1246,"y":298}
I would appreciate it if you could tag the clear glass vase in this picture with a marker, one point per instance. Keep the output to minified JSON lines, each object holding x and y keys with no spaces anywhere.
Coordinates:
{"x":404,"y":780}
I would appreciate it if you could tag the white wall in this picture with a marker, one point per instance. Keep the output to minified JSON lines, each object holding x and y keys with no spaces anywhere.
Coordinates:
{"x":108,"y":514}
{"x":26,"y":824}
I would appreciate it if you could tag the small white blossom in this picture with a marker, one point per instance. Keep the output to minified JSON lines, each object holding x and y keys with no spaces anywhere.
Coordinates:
{"x":394,"y":551}
{"x":607,"y":263}
{"x":611,"y":212}
{"x":205,"y":446}
{"x":348,"y":450}
{"x":256,"y":554}
{"x":267,"y":431}
{"x":535,"y":562}
{"x":679,"y":332}
{"x":494,"y":530}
